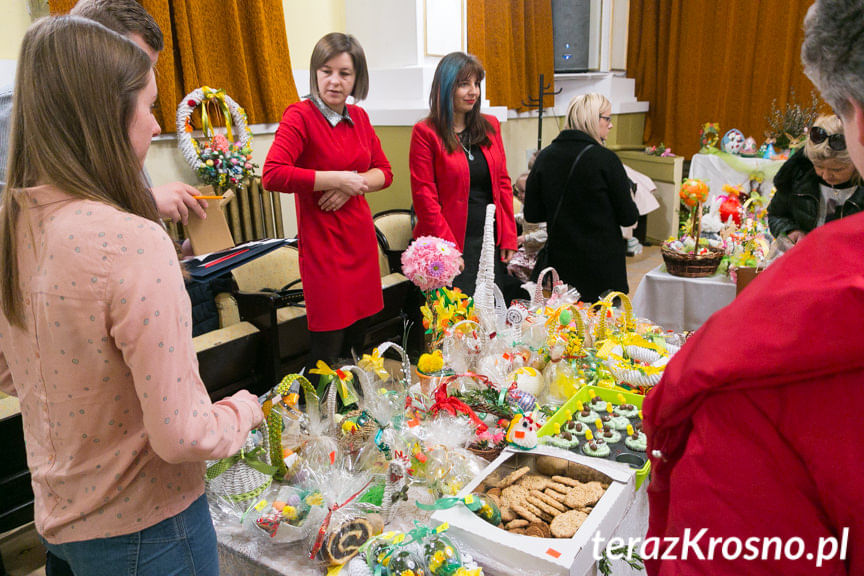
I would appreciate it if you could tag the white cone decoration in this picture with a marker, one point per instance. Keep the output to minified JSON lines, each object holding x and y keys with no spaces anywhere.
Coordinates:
{"x":484,"y":290}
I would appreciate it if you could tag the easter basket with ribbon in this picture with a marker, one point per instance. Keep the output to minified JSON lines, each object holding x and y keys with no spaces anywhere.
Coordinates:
{"x":703,"y":260}
{"x":239,"y":480}
{"x":636,"y":362}
{"x":219,"y":160}
{"x":284,"y":422}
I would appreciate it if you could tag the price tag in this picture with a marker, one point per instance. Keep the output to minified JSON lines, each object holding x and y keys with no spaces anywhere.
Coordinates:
{"x":553,"y":553}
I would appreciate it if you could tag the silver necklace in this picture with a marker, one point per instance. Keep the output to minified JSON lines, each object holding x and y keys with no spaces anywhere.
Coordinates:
{"x":467,"y":150}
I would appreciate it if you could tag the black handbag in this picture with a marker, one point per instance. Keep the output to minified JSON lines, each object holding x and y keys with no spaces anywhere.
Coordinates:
{"x":542,"y":261}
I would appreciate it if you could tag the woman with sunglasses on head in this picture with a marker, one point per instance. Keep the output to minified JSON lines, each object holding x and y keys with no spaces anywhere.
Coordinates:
{"x":580,"y":189}
{"x":458,"y":167}
{"x":817,"y":184}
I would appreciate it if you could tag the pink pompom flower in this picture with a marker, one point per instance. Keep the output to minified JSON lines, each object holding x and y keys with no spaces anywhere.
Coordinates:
{"x":431,"y":263}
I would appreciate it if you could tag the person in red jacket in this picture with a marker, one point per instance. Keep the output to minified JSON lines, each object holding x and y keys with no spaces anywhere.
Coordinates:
{"x":754,"y":431}
{"x":458,"y":167}
{"x":327,"y":154}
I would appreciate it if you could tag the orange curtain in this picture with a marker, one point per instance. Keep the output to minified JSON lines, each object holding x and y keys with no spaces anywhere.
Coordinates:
{"x":513,"y":39}
{"x":698,"y":61}
{"x":238,"y":45}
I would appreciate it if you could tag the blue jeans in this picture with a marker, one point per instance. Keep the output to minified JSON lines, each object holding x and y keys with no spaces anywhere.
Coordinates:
{"x":184,"y":545}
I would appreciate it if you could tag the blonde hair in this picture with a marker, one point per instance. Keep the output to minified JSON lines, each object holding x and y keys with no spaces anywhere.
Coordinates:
{"x":583,"y":113}
{"x":75,"y":95}
{"x":822,"y":151}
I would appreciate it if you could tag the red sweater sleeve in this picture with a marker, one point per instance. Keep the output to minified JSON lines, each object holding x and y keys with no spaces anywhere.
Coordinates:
{"x":379,"y":160}
{"x":507,"y":222}
{"x":425,"y":144}
{"x":281,"y":173}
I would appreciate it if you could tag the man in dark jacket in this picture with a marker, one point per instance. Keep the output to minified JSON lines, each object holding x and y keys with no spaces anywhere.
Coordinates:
{"x":754,"y":431}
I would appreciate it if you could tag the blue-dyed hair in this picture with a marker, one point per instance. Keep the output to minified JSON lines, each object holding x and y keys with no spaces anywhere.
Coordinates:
{"x":454,"y":68}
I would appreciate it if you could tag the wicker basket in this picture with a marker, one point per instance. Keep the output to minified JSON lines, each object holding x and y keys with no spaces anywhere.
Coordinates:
{"x":490,"y":453}
{"x":692,"y":265}
{"x":236,"y":482}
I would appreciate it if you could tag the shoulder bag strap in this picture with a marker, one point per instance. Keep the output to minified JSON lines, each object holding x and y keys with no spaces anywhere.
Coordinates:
{"x":551,"y":224}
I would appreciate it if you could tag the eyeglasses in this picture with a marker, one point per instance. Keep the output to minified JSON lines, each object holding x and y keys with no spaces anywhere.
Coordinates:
{"x":836,"y":142}
{"x":606,"y":118}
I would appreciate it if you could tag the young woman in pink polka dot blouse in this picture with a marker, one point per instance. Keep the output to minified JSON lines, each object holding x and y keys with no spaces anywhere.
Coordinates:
{"x":95,"y":330}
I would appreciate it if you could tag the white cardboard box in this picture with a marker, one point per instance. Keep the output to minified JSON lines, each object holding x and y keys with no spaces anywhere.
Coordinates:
{"x":518,"y":554}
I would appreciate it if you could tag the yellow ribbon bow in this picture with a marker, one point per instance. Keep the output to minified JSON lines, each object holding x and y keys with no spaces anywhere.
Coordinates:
{"x":346,"y":392}
{"x":217,"y":97}
{"x":374,"y":363}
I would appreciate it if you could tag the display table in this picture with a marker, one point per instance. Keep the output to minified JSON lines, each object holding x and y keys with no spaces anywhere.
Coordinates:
{"x":720,"y":169}
{"x":681,"y":303}
{"x":242,"y":554}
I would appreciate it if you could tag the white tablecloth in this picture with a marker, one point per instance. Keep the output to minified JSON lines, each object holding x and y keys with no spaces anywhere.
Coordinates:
{"x":716,"y":172}
{"x":681,"y":303}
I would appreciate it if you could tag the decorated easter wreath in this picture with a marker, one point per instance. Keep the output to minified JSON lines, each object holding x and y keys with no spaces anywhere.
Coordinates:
{"x":220,"y":160}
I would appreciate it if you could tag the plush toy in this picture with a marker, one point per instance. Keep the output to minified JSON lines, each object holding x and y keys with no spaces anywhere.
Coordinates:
{"x":522,"y":432}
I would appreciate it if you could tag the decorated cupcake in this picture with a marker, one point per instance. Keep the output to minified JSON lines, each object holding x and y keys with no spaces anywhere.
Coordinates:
{"x":617,"y":421}
{"x":565,"y":440}
{"x":636,"y":440}
{"x":607,"y":433}
{"x":585,"y":414}
{"x":613,"y":419}
{"x":627,"y":410}
{"x":595,"y":446}
{"x":596,"y":403}
{"x":576,"y":428}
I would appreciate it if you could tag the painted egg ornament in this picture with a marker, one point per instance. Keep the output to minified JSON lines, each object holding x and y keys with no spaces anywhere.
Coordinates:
{"x":693,"y":192}
{"x":405,"y":562}
{"x":441,"y":556}
{"x":749,"y":148}
{"x":484,"y":507}
{"x":527,"y":379}
{"x":525,"y":401}
{"x":733,"y":141}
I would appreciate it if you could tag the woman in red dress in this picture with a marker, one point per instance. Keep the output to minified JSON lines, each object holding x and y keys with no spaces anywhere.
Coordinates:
{"x":458,"y":167}
{"x":326,"y":153}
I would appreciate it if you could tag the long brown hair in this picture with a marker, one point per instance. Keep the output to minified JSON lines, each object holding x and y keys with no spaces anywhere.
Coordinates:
{"x":454,"y":68}
{"x":75,"y":93}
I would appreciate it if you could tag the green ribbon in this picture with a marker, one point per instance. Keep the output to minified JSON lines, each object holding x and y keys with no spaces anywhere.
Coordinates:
{"x":253,"y":459}
{"x":471,"y":502}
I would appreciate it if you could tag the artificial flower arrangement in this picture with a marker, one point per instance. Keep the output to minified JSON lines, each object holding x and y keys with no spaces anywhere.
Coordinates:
{"x":220,"y":160}
{"x":660,"y":150}
{"x":431,"y":264}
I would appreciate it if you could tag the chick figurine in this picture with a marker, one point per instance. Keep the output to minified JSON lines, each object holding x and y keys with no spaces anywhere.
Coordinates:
{"x":522,"y":432}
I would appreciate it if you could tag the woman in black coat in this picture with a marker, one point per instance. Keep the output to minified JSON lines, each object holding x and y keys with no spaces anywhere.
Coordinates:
{"x":585,"y":244}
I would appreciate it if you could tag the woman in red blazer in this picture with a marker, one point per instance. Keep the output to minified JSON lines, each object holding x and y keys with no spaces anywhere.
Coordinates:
{"x":458,"y":167}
